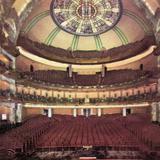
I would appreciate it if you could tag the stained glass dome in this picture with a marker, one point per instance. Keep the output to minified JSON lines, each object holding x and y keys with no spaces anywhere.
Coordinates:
{"x":86,"y":17}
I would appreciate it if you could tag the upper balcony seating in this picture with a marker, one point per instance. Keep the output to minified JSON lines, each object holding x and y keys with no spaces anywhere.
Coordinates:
{"x":114,"y":77}
{"x":87,"y":80}
{"x":50,"y":76}
{"x":122,"y":76}
{"x":114,"y":54}
{"x":54,"y":100}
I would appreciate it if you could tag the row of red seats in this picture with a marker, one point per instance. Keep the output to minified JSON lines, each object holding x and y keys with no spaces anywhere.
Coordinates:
{"x":82,"y":131}
{"x":25,"y":137}
{"x":134,"y":132}
{"x":142,"y":128}
{"x":62,"y":77}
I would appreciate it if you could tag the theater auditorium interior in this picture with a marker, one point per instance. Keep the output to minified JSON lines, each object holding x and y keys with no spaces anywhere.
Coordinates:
{"x":79,"y":79}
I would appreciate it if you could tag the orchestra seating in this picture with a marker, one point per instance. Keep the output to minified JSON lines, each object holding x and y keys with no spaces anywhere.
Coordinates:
{"x":117,"y":133}
{"x":142,"y":128}
{"x":114,"y":77}
{"x":5,"y":126}
{"x":24,"y":138}
{"x":89,"y":132}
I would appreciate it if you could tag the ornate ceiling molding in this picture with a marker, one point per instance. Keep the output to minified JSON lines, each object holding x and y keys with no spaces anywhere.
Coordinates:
{"x":154,"y":18}
{"x":10,"y":21}
{"x":86,"y":17}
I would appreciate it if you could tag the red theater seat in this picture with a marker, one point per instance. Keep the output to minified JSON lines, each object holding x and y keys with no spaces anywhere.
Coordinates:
{"x":87,"y":158}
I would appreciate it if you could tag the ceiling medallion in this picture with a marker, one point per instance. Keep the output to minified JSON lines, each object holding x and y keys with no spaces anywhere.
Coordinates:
{"x":86,"y":17}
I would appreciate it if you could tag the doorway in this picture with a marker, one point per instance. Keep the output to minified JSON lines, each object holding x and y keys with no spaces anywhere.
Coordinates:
{"x":141,"y":67}
{"x":86,"y":112}
{"x":31,"y":68}
{"x":45,"y":112}
{"x":128,"y":111}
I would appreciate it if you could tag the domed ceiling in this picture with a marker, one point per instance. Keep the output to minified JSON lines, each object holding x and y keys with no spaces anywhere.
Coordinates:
{"x":86,"y":24}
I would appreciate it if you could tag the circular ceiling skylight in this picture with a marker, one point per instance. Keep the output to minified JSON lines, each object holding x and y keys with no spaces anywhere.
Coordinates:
{"x":86,"y":17}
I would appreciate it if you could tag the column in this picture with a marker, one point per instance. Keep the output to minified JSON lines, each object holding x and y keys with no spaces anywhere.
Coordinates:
{"x":49,"y":112}
{"x":19,"y":113}
{"x":103,"y":70}
{"x":158,"y":112}
{"x":74,"y":112}
{"x":124,"y":113}
{"x":158,"y":87}
{"x":13,"y":63}
{"x":70,"y":70}
{"x":158,"y":61}
{"x":13,"y":88}
{"x":12,"y":115}
{"x":91,"y":111}
{"x":99,"y":110}
{"x":82,"y":111}
{"x":87,"y":112}
{"x":154,"y":113}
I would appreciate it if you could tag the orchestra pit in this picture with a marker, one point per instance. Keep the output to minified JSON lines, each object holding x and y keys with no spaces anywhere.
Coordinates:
{"x":79,"y":79}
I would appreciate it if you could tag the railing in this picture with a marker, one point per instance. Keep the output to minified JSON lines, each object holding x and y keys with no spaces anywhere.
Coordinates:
{"x":86,"y":57}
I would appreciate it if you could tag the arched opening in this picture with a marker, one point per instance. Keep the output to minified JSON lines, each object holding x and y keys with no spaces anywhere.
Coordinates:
{"x":141,"y":67}
{"x":31,"y":68}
